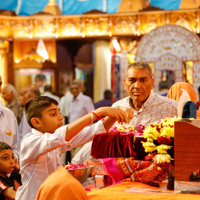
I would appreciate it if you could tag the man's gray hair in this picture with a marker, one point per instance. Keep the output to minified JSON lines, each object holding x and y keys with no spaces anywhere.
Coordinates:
{"x":76,"y":83}
{"x":11,"y":88}
{"x":140,"y":65}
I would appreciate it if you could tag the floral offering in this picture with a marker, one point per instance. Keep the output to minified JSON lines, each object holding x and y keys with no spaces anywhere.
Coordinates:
{"x":159,"y":137}
{"x":74,"y":166}
{"x":127,"y":129}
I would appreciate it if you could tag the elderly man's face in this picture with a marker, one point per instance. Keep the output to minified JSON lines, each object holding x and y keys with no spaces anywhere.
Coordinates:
{"x":75,"y":90}
{"x":138,"y":84}
{"x":7,"y":94}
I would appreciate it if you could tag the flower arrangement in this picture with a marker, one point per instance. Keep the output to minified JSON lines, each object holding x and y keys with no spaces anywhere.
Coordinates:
{"x":127,"y":129}
{"x":159,"y":137}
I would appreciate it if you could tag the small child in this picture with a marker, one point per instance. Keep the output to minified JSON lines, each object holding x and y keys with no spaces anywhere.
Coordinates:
{"x":9,"y":179}
{"x":41,"y":150}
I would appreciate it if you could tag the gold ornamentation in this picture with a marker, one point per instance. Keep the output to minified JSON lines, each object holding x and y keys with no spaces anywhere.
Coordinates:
{"x":8,"y":132}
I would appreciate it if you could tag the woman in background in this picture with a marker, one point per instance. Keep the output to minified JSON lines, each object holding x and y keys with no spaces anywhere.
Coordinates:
{"x":177,"y":90}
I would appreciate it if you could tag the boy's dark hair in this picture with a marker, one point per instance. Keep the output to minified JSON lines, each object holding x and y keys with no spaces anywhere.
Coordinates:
{"x":36,"y":105}
{"x":4,"y":146}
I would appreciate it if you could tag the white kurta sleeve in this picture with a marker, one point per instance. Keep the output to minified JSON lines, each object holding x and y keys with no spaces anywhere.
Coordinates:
{"x":87,"y":134}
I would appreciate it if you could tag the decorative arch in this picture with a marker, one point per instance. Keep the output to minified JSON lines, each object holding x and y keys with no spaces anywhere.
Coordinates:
{"x":167,"y":62}
{"x":171,"y":42}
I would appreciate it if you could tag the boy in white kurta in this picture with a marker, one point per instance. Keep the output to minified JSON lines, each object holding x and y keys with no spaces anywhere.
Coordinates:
{"x":41,"y":150}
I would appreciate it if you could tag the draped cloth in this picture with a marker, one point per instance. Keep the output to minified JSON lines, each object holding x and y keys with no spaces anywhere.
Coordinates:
{"x":177,"y":89}
{"x":119,"y":192}
{"x":115,"y":144}
{"x":61,"y":185}
{"x":129,"y":169}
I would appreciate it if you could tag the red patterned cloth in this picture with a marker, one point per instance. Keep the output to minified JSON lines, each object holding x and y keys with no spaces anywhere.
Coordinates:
{"x":135,"y":170}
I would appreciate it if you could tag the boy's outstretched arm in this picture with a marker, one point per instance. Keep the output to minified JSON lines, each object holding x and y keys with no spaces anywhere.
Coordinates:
{"x":122,"y":115}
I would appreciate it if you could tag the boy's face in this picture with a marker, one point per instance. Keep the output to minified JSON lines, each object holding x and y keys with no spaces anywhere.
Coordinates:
{"x":51,"y":119}
{"x":7,"y":162}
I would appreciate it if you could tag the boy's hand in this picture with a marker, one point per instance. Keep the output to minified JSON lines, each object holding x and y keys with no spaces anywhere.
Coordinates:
{"x":122,"y":114}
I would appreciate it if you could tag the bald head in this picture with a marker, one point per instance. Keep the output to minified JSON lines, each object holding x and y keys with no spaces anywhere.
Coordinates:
{"x":28,"y":92}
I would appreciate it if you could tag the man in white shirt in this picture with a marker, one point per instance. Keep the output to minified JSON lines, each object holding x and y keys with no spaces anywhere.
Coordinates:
{"x":79,"y":106}
{"x":9,"y":128}
{"x":48,"y":91}
{"x":64,"y":105}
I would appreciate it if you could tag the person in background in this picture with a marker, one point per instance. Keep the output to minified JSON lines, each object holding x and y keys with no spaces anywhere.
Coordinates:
{"x":198,"y":102}
{"x":107,"y":101}
{"x":26,"y":93}
{"x":177,"y":90}
{"x":64,"y":105}
{"x":10,"y":179}
{"x":48,"y":91}
{"x":82,"y":84}
{"x":64,"y":109}
{"x":163,"y":88}
{"x":41,"y":149}
{"x":9,"y":94}
{"x":40,"y":82}
{"x":79,"y":106}
{"x":9,"y":128}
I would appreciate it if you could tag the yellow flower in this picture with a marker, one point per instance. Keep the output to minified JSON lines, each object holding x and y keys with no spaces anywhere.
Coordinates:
{"x":167,"y":132}
{"x":130,"y":128}
{"x":162,"y":158}
{"x":149,"y":146}
{"x":163,"y":148}
{"x":149,"y":149}
{"x":121,"y":128}
{"x":151,"y":132}
{"x":149,"y":140}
